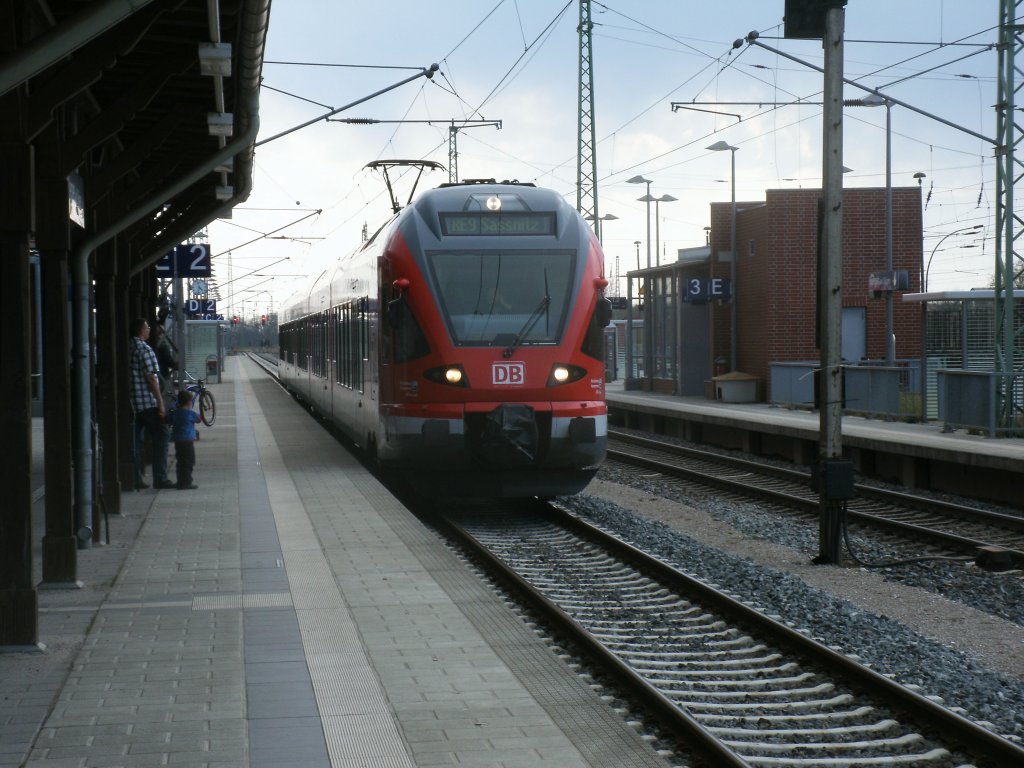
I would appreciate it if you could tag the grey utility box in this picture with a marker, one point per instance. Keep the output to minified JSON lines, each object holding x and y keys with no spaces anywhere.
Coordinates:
{"x":205,"y":357}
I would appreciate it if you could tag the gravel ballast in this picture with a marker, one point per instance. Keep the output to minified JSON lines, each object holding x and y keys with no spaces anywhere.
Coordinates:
{"x":937,"y":634}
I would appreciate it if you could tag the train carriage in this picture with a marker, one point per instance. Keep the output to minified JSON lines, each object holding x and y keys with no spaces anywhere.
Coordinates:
{"x":462,"y":344}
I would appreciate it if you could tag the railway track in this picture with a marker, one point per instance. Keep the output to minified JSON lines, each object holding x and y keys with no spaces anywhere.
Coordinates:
{"x":742,"y":688}
{"x":955,"y":527}
{"x":266,"y":362}
{"x":736,"y":686}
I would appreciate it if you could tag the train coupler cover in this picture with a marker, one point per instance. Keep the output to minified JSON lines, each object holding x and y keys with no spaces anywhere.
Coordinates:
{"x":509,"y":437}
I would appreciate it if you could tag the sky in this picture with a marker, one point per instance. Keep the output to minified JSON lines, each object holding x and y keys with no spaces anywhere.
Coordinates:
{"x":517,"y":62}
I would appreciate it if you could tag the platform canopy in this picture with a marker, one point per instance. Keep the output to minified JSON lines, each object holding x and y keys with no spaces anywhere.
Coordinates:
{"x":142,"y":98}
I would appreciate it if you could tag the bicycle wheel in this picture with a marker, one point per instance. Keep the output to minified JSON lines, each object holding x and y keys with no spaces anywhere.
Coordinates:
{"x":207,"y":408}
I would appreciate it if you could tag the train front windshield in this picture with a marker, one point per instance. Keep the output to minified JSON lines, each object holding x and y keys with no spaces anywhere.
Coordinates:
{"x":501,"y":298}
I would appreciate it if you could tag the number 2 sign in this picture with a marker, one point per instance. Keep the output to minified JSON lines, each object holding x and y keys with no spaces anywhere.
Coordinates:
{"x":191,"y":260}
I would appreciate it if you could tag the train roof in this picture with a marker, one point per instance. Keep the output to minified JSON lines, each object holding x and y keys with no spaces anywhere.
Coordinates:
{"x":465,"y":196}
{"x":473,"y":194}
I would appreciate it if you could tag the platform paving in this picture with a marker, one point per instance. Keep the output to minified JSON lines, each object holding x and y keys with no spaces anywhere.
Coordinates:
{"x":289,"y":612}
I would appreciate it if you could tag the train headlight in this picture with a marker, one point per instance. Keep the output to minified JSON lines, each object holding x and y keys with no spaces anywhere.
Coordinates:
{"x":452,"y":375}
{"x":563,"y":373}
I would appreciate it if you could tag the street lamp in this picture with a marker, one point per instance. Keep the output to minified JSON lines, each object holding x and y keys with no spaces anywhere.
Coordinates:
{"x":721,"y":146}
{"x":875,"y":100}
{"x":646,"y":198}
{"x":657,"y":223}
{"x":598,"y":229}
{"x":597,"y":222}
{"x":975,"y":228}
{"x":920,"y":176}
{"x":637,"y":244}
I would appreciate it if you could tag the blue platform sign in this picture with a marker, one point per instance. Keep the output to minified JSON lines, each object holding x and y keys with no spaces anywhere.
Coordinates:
{"x":191,"y":260}
{"x":205,"y":309}
{"x":700,"y":290}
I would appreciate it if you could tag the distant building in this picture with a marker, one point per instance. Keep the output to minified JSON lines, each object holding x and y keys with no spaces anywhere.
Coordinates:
{"x":776,"y":285}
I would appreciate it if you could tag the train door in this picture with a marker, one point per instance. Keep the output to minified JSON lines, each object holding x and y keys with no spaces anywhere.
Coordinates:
{"x":386,"y":379}
{"x":330,"y":372}
{"x":373,"y":364}
{"x":306,"y":357}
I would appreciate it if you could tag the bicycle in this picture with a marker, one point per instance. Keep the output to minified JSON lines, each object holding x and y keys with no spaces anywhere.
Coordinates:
{"x":203,"y":398}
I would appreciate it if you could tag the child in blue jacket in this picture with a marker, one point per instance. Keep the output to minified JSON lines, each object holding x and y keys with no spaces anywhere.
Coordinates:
{"x":183,"y":422}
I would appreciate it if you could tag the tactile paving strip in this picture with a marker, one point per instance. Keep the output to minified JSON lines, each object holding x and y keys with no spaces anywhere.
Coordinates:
{"x":357,"y":721}
{"x":247,"y":600}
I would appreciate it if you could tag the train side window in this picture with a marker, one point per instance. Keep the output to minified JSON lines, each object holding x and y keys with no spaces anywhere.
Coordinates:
{"x":314,"y":344}
{"x":593,"y":341}
{"x":364,"y":340}
{"x":352,"y":345}
{"x":323,"y":344}
{"x":325,"y":333}
{"x":346,"y":340}
{"x":315,"y":339}
{"x":318,"y":339}
{"x":336,"y":351}
{"x":403,"y":337}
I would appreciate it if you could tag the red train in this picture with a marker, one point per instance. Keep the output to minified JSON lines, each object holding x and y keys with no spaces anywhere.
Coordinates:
{"x":462,"y":344}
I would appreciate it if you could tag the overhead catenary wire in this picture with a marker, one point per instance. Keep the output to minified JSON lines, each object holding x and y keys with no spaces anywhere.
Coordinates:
{"x":522,"y":63}
{"x":543,"y":35}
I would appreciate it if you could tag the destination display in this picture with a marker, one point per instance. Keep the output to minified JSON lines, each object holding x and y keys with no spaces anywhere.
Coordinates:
{"x":518,"y":223}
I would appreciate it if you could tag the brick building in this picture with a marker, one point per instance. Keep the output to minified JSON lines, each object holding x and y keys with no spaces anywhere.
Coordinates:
{"x":776,"y":285}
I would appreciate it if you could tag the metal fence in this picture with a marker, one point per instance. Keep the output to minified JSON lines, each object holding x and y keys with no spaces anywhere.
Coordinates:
{"x":971,"y":400}
{"x":869,"y":389}
{"x":963,"y":387}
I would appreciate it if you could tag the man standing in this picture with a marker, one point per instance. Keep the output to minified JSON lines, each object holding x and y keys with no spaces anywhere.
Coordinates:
{"x":148,"y":405}
{"x":167,"y":359}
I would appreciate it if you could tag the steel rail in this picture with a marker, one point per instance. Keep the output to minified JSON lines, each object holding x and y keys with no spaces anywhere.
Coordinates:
{"x":976,"y":738}
{"x":667,"y":711}
{"x":804,"y":503}
{"x":796,"y":475}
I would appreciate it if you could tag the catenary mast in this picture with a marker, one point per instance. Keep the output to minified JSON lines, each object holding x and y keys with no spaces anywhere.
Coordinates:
{"x":1008,"y":227}
{"x":586,"y":156}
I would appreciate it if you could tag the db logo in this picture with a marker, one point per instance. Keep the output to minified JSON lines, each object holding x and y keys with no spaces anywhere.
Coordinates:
{"x":508,"y":373}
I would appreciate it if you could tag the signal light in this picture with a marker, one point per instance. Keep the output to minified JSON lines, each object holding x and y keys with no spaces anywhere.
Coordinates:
{"x":234,"y":320}
{"x":263,"y":319}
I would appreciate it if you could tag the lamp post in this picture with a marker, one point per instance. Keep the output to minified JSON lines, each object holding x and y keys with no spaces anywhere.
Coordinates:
{"x":637,"y":244}
{"x":646,"y":198}
{"x":657,"y":224}
{"x":920,"y":176}
{"x":721,"y":146}
{"x":927,"y":269}
{"x":598,"y":227}
{"x":597,"y":223}
{"x":874,"y":100}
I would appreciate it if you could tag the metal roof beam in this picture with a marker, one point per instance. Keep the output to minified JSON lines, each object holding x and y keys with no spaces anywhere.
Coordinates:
{"x":64,"y":39}
{"x":114,"y":117}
